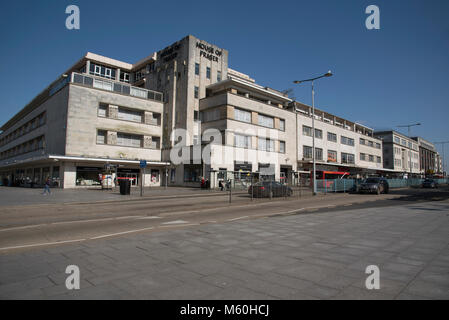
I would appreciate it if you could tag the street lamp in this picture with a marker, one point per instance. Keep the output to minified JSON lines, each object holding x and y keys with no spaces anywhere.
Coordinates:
{"x":409,"y":126}
{"x":328,"y":74}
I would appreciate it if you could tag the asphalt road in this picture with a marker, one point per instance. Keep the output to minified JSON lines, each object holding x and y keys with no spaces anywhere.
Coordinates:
{"x":311,"y":249}
{"x":30,"y":226}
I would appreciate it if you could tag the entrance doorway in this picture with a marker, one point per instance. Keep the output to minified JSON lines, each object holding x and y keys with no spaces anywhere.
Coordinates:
{"x":129,"y":174}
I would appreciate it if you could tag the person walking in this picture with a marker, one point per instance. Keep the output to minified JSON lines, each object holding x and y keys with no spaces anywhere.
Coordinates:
{"x":47,"y":186}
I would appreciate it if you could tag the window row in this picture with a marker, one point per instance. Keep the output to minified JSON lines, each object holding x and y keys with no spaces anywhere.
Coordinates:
{"x":263,"y":144}
{"x":370,"y":158}
{"x":332,"y":155}
{"x":128,"y":114}
{"x":208,"y":72}
{"x":262,"y":120}
{"x":370,"y":143}
{"x":332,"y":137}
{"x":243,"y":116}
{"x":29,"y":146}
{"x":127,"y":140}
{"x":35,"y":123}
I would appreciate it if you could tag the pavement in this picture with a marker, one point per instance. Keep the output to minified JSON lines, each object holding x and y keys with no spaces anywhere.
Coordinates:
{"x":297,"y":249}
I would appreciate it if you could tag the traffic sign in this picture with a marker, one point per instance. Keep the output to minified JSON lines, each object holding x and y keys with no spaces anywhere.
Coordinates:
{"x":143,"y":164}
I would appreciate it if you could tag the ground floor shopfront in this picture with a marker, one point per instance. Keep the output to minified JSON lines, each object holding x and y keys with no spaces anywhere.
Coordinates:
{"x":77,"y":172}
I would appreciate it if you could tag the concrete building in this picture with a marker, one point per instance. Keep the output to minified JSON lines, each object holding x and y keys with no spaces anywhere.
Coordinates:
{"x":88,"y":118}
{"x":256,"y":130}
{"x":400,"y":153}
{"x":167,"y":107}
{"x":427,"y":157}
{"x":340,"y":144}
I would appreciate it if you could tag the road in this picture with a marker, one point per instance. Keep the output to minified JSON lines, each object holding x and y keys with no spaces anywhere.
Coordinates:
{"x":313,"y":248}
{"x":28,"y":226}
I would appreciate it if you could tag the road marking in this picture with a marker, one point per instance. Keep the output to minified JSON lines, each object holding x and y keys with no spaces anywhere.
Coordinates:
{"x":180,"y":225}
{"x":120,"y":233}
{"x":235,"y":219}
{"x":24,"y":227}
{"x":68,"y":222}
{"x":175,"y":222}
{"x":94,"y":220}
{"x":149,"y":217}
{"x":41,"y":244}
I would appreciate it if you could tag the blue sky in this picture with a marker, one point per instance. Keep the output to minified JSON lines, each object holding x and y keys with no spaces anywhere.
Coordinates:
{"x":383,"y":78}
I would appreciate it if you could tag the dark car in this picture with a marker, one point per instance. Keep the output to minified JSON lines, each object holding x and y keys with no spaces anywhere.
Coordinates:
{"x":374,"y":185}
{"x":430,"y":183}
{"x":269,"y":189}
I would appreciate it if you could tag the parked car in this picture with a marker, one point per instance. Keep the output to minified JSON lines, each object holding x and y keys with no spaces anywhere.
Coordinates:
{"x":374,"y":185}
{"x":267,"y":189}
{"x":430,"y":183}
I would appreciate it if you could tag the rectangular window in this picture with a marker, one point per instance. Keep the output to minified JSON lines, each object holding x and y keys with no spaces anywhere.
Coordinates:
{"x":218,"y":76}
{"x":129,"y":140}
{"x":318,"y":134}
{"x":332,"y":137}
{"x":397,"y":140}
{"x":266,"y":121}
{"x":371,"y":158}
{"x":103,"y":110}
{"x":208,"y":73}
{"x":124,"y":77}
{"x":242,"y":115}
{"x":241,"y":141}
{"x":101,"y":137}
{"x":347,"y":158}
{"x":363,"y":157}
{"x":331,"y":156}
{"x":378,"y":145}
{"x":307,"y":152}
{"x":282,"y":146}
{"x":192,"y":172}
{"x":197,"y":92}
{"x":210,"y":115}
{"x":307,"y":131}
{"x":281,"y":124}
{"x":266,"y":144}
{"x":130,"y":115}
{"x":318,"y":154}
{"x":347,"y":141}
{"x":197,"y":69}
{"x":379,"y":159}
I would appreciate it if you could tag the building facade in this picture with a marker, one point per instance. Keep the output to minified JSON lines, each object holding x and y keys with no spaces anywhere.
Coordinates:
{"x":427,"y":157}
{"x":188,"y":115}
{"x":340,"y":145}
{"x":89,"y":118}
{"x":400,"y":153}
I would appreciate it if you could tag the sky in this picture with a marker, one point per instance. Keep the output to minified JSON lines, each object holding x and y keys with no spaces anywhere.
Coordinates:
{"x":383,"y":78}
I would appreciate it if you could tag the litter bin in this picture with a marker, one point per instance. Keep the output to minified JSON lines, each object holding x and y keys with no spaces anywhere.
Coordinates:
{"x":125,"y":187}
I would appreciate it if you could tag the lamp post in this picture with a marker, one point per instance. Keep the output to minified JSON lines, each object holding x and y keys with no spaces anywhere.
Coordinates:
{"x":328,"y":74}
{"x":409,"y":126}
{"x":444,"y":159}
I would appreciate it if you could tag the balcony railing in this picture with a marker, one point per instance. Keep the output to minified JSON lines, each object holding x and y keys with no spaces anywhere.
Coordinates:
{"x":113,"y":86}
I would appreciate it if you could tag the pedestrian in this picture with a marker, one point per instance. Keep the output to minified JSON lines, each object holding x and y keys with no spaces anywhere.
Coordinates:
{"x":220,"y":184}
{"x":47,"y":186}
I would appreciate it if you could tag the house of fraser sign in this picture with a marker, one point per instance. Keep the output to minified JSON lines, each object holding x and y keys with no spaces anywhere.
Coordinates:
{"x":209,"y":52}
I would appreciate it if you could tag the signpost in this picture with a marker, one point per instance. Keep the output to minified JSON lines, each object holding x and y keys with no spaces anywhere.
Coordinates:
{"x":143,"y":165}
